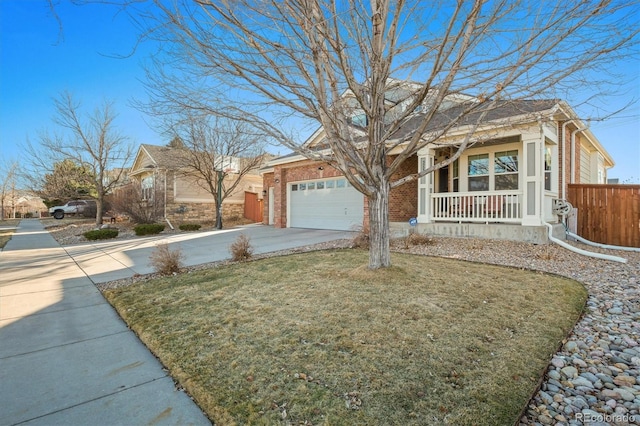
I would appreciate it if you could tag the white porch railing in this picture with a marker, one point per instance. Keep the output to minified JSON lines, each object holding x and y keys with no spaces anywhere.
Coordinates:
{"x":485,"y":206}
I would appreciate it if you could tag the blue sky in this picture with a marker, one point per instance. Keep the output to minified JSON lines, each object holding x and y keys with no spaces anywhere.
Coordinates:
{"x":37,"y":62}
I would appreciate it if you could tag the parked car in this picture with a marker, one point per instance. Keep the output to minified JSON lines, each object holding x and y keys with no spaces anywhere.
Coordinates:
{"x":75,"y":207}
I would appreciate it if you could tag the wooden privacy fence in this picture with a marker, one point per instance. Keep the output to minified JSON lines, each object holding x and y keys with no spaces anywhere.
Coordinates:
{"x":252,"y":207}
{"x":607,"y":214}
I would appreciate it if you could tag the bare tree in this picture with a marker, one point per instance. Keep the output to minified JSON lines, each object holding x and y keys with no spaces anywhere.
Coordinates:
{"x":218,"y":153}
{"x":272,"y":62}
{"x":8,"y":179}
{"x":92,"y":142}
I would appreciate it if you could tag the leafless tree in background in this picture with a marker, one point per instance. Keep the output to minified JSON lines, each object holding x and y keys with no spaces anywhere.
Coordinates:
{"x":279,"y":63}
{"x":90,"y":141}
{"x":218,"y":153}
{"x":8,"y":181}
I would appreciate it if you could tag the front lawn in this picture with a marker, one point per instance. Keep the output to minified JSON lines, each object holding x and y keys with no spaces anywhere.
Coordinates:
{"x":319,"y":338}
{"x":9,"y":228}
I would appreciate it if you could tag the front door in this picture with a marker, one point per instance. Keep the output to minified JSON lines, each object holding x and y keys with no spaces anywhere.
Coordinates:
{"x":443,"y":179}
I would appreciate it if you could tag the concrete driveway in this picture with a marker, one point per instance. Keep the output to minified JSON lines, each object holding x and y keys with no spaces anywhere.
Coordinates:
{"x":66,"y":357}
{"x":111,"y":260}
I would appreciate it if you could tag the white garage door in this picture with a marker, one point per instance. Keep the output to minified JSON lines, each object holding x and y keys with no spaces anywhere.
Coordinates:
{"x":325,"y":204}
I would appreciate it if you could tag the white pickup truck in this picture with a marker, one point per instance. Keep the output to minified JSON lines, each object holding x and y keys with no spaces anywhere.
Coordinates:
{"x":75,"y":207}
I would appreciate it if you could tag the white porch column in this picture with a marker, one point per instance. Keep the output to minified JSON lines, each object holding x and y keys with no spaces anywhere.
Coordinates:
{"x":533,"y":179}
{"x":425,"y":185}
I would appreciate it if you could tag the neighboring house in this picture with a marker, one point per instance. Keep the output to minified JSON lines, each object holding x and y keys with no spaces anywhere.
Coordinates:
{"x":524,"y":155}
{"x":160,"y":172}
{"x":21,"y":204}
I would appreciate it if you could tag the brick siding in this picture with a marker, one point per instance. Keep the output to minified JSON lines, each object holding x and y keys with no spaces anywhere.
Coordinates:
{"x":403,"y":203}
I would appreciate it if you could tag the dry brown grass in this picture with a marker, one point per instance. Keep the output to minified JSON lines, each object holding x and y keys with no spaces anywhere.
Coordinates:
{"x":5,"y":234}
{"x":321,"y":339}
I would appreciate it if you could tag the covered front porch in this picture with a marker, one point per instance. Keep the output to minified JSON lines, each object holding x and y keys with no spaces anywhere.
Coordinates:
{"x":474,"y":207}
{"x":501,"y":183}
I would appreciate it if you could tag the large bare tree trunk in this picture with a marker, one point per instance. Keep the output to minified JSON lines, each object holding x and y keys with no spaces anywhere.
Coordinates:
{"x":99,"y":208}
{"x":379,"y":253}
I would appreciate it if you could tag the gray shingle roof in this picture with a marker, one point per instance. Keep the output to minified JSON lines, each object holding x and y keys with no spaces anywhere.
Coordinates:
{"x":503,"y":110}
{"x":166,"y":156}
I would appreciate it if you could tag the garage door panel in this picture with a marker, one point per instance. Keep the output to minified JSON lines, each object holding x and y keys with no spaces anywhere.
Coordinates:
{"x":327,"y":208}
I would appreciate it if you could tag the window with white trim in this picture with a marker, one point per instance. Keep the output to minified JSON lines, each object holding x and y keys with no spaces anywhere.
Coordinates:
{"x":548,"y":158}
{"x":456,"y":175}
{"x":478,"y":172}
{"x":505,"y":170}
{"x":147,"y":187}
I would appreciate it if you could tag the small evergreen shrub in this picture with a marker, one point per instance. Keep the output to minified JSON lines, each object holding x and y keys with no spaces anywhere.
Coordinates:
{"x":189,"y":226}
{"x":165,"y":261}
{"x":241,"y":248}
{"x":148,"y":229}
{"x":101,"y":234}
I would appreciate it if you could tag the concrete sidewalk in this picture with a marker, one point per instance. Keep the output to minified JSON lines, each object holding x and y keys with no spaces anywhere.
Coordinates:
{"x":66,"y":357}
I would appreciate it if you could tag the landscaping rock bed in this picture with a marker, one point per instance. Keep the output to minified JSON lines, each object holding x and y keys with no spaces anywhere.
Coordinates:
{"x":595,"y":377}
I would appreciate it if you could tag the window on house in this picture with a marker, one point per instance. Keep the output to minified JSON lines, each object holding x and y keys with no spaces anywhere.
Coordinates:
{"x":311,"y":185}
{"x":147,"y":187}
{"x":359,"y":120}
{"x":320,"y":185}
{"x":547,"y":168}
{"x":330,"y":184}
{"x":294,"y":187}
{"x":456,"y":176}
{"x":340,"y":183}
{"x":506,"y":170}
{"x":479,"y":172}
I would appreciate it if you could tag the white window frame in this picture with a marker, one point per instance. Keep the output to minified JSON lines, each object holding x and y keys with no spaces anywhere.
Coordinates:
{"x":515,"y":173}
{"x":490,"y":151}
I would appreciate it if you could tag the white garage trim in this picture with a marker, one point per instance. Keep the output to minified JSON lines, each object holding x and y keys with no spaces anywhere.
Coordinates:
{"x":330,"y":203}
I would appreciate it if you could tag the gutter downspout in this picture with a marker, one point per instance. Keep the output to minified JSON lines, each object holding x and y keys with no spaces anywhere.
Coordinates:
{"x":562,"y":150}
{"x":604,"y":246}
{"x":165,"y":200}
{"x":580,"y":251}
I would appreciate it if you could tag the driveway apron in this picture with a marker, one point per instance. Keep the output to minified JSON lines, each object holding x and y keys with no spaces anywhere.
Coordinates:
{"x":66,"y":357}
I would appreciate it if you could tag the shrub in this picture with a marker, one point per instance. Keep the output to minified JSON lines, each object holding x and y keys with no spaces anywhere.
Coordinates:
{"x":417,"y":239}
{"x":101,"y":234}
{"x":241,"y":248}
{"x":165,"y":261}
{"x":148,"y":229}
{"x":361,"y":240}
{"x":129,"y":201}
{"x":189,"y":226}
